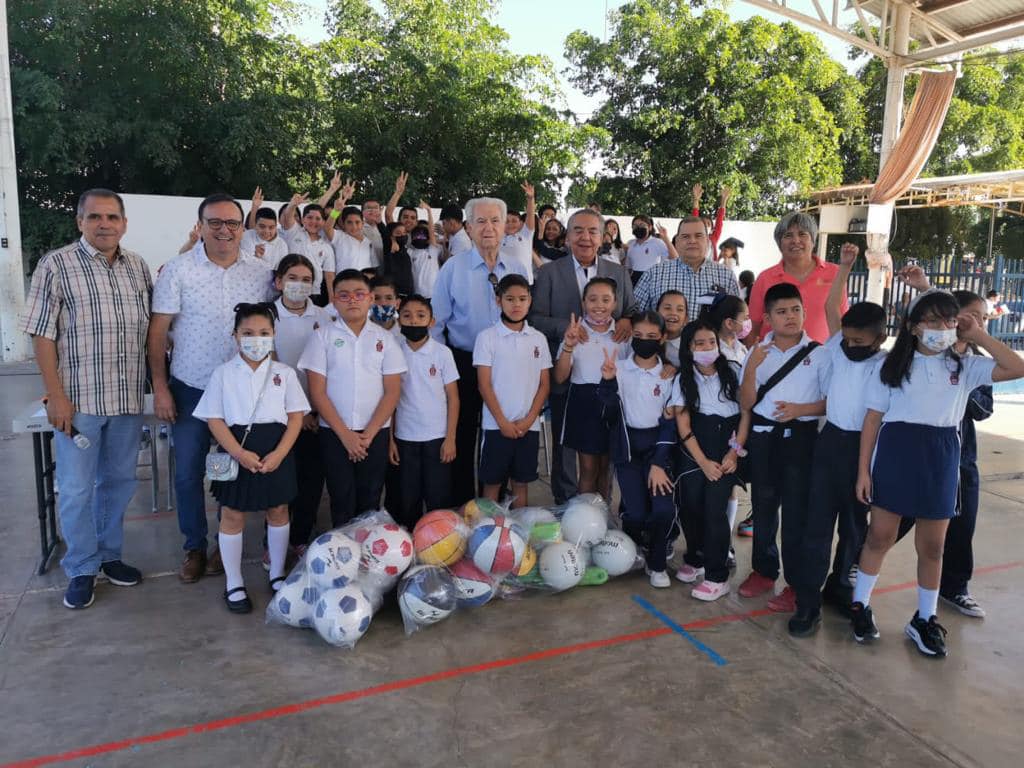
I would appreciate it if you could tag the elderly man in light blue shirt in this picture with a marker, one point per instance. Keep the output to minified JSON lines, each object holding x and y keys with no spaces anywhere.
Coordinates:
{"x":464,"y":304}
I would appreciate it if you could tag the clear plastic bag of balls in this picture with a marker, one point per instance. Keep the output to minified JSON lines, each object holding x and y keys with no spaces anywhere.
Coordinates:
{"x":573,"y":545}
{"x":340,"y":582}
{"x":444,"y":577}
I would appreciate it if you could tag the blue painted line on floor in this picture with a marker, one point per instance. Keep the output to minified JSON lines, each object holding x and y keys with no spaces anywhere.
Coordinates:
{"x":678,"y":629}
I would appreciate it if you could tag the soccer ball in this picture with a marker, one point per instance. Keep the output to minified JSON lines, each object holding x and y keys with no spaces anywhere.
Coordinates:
{"x":342,"y":616}
{"x":584,"y":522}
{"x":439,"y":538}
{"x":497,"y":546}
{"x":615,"y":552}
{"x":387,"y":551}
{"x":473,"y":587}
{"x":332,"y":560}
{"x":426,"y":595}
{"x":293,"y":602}
{"x":561,"y":566}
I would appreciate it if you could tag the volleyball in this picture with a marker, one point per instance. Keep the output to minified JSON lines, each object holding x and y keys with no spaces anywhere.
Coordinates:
{"x":615,"y":552}
{"x":584,"y":522}
{"x":387,"y":550}
{"x":439,"y":538}
{"x":561,"y":566}
{"x":332,"y":560}
{"x":473,"y":587}
{"x":342,"y":615}
{"x":426,"y":595}
{"x":528,"y":517}
{"x":497,"y":546}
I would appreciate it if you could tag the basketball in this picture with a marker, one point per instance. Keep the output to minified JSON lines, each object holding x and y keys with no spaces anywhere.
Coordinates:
{"x":332,"y":560}
{"x":426,"y":595}
{"x":615,"y":552}
{"x":497,"y":546}
{"x":342,"y":616}
{"x":584,"y":522}
{"x":473,"y":587}
{"x":477,"y":509}
{"x":561,"y":566}
{"x":387,"y":550}
{"x":439,"y":538}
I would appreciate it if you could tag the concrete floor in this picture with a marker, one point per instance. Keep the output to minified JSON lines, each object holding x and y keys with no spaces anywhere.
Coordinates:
{"x":162,"y":675}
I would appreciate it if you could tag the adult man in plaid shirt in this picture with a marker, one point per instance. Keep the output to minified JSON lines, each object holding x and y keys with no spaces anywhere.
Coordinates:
{"x":693,"y":273}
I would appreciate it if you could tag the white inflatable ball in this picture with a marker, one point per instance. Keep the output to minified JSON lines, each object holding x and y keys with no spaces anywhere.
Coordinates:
{"x":293,"y":602}
{"x":426,"y":595}
{"x":561,"y":566}
{"x":333,"y":560}
{"x":342,"y":616}
{"x":387,"y":550}
{"x":527,"y":517}
{"x":584,"y":523}
{"x":615,"y":552}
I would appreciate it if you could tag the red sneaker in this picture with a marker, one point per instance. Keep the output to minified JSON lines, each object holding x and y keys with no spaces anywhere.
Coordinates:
{"x":756,"y":585}
{"x":784,"y":602}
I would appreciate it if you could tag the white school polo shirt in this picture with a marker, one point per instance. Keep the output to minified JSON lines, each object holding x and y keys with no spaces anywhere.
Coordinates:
{"x":292,"y":333}
{"x":672,"y":350}
{"x":234,"y":387}
{"x":735,"y":352}
{"x":935,"y":395}
{"x":350,"y":253}
{"x":644,"y":394}
{"x":422,"y":412}
{"x":846,"y":385}
{"x":355,"y":367}
{"x":588,"y":356}
{"x":807,"y":383}
{"x":518,"y":248}
{"x":273,"y":250}
{"x":642,"y":256}
{"x":318,"y":251}
{"x":426,"y":263}
{"x":712,"y":401}
{"x":459,"y":243}
{"x":516,"y":359}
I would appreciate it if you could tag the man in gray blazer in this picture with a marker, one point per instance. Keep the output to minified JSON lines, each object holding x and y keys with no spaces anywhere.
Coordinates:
{"x":557,"y":292}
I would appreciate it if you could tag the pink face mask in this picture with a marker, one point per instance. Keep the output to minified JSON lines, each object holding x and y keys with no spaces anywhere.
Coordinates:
{"x":745,"y":329}
{"x":705,"y":356}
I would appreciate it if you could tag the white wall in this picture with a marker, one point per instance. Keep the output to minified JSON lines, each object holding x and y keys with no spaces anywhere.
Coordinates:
{"x":159,"y":225}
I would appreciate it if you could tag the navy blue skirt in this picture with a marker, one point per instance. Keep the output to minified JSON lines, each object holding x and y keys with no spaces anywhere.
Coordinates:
{"x":256,"y":492}
{"x":585,"y":429}
{"x":915,"y":470}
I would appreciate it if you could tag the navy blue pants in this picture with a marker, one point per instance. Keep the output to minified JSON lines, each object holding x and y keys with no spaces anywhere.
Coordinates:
{"x":191,"y":444}
{"x":355,"y":487}
{"x":780,"y":469}
{"x":645,"y":517}
{"x":833,"y":497}
{"x":309,"y":473}
{"x":422,"y":480}
{"x":466,"y":431}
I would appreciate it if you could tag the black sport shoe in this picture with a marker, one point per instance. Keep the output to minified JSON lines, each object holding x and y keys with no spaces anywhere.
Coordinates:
{"x":121,"y":575}
{"x":863,"y":622}
{"x":804,"y":622}
{"x":79,"y":593}
{"x":929,"y":636}
{"x":730,"y":559}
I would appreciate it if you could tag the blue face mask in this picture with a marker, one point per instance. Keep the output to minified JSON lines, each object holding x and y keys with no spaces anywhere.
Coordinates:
{"x":381,"y":314}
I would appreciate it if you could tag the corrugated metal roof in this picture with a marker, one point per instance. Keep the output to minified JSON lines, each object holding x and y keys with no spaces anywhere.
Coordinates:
{"x":963,"y":18}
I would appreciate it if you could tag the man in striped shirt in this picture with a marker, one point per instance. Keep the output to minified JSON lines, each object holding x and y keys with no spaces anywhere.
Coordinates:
{"x":88,"y":313}
{"x":693,"y":274}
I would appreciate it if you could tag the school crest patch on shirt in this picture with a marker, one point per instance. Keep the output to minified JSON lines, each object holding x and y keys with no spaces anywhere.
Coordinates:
{"x":536,"y":352}
{"x":316,"y":326}
{"x":954,"y":379}
{"x":657,"y":390}
{"x":277,"y":380}
{"x":339,"y":343}
{"x":807,"y":361}
{"x":433,"y":370}
{"x":380,"y":345}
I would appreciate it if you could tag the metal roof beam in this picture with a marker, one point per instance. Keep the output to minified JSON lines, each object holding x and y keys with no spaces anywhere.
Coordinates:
{"x":931,"y":53}
{"x":935,"y":6}
{"x":1008,"y":21}
{"x":779,"y":7}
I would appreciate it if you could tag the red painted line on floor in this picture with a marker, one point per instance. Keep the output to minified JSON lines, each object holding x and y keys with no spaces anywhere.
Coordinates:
{"x":413,"y":682}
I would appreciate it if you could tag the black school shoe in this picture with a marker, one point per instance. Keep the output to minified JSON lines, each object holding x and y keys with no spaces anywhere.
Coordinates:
{"x":804,"y":622}
{"x":864,"y":629}
{"x":929,"y":636}
{"x":121,"y":575}
{"x":238,"y":606}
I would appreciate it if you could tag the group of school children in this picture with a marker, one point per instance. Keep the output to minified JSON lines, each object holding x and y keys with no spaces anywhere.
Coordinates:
{"x":683,"y":413}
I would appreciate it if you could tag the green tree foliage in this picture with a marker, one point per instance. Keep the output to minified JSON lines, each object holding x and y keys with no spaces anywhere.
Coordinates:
{"x":695,"y":97}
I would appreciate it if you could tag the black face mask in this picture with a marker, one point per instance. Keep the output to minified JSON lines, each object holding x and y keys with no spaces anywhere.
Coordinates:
{"x":856,"y":354}
{"x":509,"y":320}
{"x":639,"y":232}
{"x":415,"y":332}
{"x":401,"y":240}
{"x":646,"y":348}
{"x":420,"y":242}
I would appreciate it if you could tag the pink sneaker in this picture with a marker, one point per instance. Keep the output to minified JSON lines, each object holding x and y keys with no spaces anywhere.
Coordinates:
{"x":688,"y":574}
{"x":709,"y":591}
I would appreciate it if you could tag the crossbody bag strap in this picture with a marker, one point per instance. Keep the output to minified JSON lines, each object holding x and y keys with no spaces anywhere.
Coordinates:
{"x":256,"y":405}
{"x":785,"y":370}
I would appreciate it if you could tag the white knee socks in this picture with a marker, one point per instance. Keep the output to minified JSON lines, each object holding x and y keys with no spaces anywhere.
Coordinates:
{"x":927,"y":602}
{"x":863,"y":586}
{"x":277,"y":546}
{"x":231,"y":555}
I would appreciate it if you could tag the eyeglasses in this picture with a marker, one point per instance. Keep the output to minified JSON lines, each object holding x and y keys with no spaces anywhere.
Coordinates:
{"x":349,"y":296}
{"x":231,"y":224}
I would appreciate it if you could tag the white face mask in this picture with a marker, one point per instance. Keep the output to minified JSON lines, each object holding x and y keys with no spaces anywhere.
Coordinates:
{"x":297,"y":291}
{"x":256,"y":348}
{"x":705,"y":356}
{"x":938,"y":341}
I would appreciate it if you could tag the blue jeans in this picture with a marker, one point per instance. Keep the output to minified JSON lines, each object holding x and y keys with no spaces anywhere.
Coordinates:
{"x":191,"y":444}
{"x":96,"y":484}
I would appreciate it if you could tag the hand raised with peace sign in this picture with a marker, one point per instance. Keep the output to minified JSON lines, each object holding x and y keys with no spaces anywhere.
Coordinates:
{"x":572,"y":333}
{"x":608,"y":368}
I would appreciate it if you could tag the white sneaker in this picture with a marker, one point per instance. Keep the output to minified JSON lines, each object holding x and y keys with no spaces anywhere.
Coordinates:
{"x":660,"y":580}
{"x":688,"y":574}
{"x":966,"y":604}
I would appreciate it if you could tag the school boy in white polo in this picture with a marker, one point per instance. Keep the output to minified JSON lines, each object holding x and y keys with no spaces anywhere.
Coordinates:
{"x":784,"y":426}
{"x":423,"y":438}
{"x":354,"y":369}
